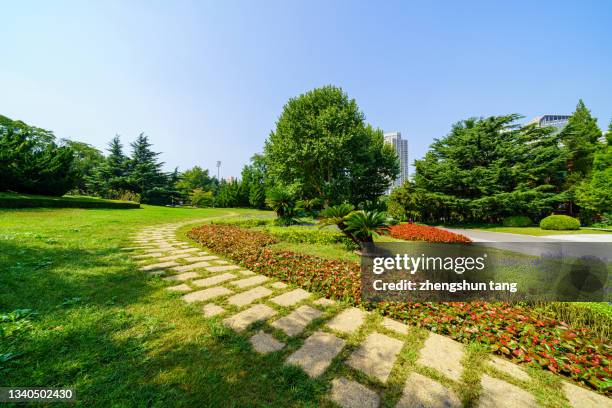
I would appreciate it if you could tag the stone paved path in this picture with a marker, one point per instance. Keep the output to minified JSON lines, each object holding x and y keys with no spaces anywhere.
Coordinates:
{"x":331,"y":334}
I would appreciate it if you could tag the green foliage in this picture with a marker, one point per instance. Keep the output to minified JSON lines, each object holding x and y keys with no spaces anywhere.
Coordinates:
{"x":195,"y":178}
{"x":254,"y":182}
{"x":485,"y":170}
{"x":86,"y":159}
{"x":283,"y":202}
{"x":32,"y":162}
{"x":305,"y":235}
{"x":310,"y":206}
{"x":322,"y":145}
{"x":201,"y":198}
{"x":231,"y":194}
{"x":363,"y":225}
{"x":359,"y":226}
{"x":559,"y":222}
{"x":595,"y":192}
{"x":517,"y":221}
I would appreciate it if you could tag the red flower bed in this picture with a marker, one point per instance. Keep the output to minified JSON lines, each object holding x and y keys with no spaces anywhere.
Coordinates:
{"x":517,"y":332}
{"x":414,"y":232}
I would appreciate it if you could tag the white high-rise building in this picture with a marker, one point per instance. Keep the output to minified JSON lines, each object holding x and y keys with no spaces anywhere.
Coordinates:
{"x":401,"y":148}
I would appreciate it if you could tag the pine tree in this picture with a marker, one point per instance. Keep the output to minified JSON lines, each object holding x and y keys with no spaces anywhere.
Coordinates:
{"x":580,"y":137}
{"x":110,"y":177}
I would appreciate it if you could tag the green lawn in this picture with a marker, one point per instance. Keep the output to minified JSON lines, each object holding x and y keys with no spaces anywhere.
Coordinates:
{"x":101,"y":326}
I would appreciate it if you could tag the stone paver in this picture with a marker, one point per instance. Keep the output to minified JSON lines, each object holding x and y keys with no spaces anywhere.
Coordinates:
{"x":376,"y":356}
{"x":242,"y":320}
{"x":183,"y":251}
{"x":197,"y":265}
{"x":222,"y":262}
{"x":206,"y":294}
{"x":247,"y":273}
{"x":255,"y":280}
{"x":421,"y":391}
{"x":500,"y":394}
{"x":200,"y":258}
{"x":264,"y":343}
{"x":245,"y":298}
{"x":351,"y":394}
{"x":171,"y":257}
{"x":507,"y":367}
{"x":348,"y":320}
{"x":395,"y":326}
{"x":151,"y":255}
{"x":279,"y":285}
{"x":442,"y":354}
{"x":210,"y":310}
{"x":179,"y":288}
{"x":161,"y":265}
{"x":295,"y":322}
{"x":579,"y":397}
{"x":213,"y":280}
{"x":324,"y":302}
{"x":290,"y":298}
{"x":317,"y":353}
{"x":222,"y":268}
{"x":182,"y":277}
{"x":153,"y":252}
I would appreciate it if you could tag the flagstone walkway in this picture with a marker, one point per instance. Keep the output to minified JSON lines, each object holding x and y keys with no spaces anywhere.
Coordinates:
{"x":373,"y":347}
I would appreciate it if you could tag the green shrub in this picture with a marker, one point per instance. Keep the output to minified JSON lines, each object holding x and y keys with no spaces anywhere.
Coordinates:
{"x":244,"y":222}
{"x":559,"y":222}
{"x":32,"y":201}
{"x":517,"y":221}
{"x":302,"y":235}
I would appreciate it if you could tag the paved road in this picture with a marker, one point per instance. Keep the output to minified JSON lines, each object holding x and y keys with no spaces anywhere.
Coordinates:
{"x":488,"y":236}
{"x":575,"y":245}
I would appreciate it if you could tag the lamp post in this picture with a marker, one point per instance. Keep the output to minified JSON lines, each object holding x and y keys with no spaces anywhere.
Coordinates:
{"x":218,"y":167}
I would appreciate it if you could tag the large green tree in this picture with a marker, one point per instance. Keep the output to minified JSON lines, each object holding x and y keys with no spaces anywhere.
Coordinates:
{"x":595,"y":192}
{"x":580,"y":137}
{"x":111,"y":176}
{"x":32,"y":162}
{"x":195,"y":178}
{"x":486,"y":169}
{"x":323,"y":147}
{"x":86,"y":159}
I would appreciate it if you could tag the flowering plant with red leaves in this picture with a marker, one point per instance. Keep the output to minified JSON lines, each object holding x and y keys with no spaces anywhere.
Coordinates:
{"x":414,"y":232}
{"x":518,"y":332}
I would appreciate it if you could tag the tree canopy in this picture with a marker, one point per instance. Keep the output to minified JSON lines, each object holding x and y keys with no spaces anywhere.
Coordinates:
{"x":322,"y":145}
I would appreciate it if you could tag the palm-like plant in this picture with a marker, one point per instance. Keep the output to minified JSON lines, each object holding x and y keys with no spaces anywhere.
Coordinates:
{"x":359,"y":226}
{"x":364,"y":225}
{"x":284,"y":205}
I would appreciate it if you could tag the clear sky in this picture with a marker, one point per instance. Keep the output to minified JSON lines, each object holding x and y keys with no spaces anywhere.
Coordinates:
{"x":207,"y":80}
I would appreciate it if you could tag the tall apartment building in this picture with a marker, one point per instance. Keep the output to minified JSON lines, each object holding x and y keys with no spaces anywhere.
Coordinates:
{"x":558,"y":121}
{"x":401,"y":148}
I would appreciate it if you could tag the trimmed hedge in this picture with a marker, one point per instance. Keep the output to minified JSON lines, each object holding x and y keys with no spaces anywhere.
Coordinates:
{"x":517,"y":221}
{"x":560,"y":223}
{"x":31,"y":201}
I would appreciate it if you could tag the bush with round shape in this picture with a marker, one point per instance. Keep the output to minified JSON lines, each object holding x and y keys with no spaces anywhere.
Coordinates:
{"x":559,"y":223}
{"x":517,"y":221}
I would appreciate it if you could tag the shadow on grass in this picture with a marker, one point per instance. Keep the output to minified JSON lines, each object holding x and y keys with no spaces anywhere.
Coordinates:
{"x":120,"y":340}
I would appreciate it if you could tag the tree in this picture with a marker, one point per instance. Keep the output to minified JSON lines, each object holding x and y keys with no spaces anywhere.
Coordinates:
{"x":254,"y":182}
{"x":194,"y":178}
{"x":484,"y":170}
{"x":580,"y":136}
{"x":201,"y":198}
{"x":322,"y":145}
{"x":145,"y":174}
{"x":86,"y":159}
{"x":595,"y":192}
{"x":32,"y":162}
{"x":111,"y":176}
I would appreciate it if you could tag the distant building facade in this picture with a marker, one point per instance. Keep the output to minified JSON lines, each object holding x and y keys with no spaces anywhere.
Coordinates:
{"x":557,"y":121}
{"x":401,"y":148}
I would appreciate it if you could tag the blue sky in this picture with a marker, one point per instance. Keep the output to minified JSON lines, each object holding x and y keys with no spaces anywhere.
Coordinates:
{"x":207,"y":80}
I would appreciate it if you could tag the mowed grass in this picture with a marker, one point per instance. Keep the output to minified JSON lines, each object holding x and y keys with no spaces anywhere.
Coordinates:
{"x":115,"y":335}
